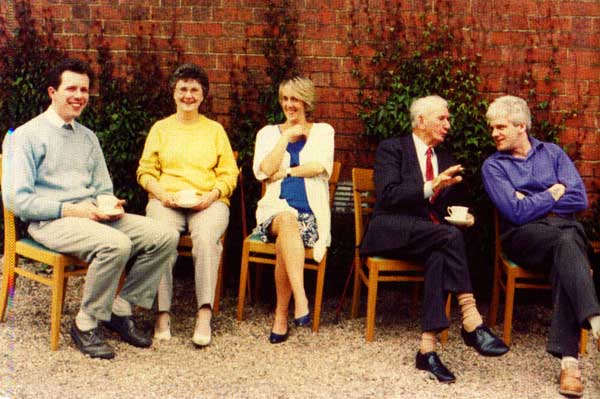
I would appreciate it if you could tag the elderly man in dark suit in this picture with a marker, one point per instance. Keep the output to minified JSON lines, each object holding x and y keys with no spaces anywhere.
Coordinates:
{"x":415,"y":184}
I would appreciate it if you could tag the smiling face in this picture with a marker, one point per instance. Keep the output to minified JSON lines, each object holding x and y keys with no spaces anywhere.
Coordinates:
{"x":188,"y":95}
{"x":293,"y":108}
{"x":509,"y":137}
{"x":70,"y":98}
{"x":433,"y":126}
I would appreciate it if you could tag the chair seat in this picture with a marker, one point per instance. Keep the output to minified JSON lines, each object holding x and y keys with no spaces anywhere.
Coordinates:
{"x":33,"y":243}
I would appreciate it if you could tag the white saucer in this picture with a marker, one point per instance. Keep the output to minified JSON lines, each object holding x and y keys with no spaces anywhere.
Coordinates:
{"x":111,"y":211}
{"x":188,"y":203}
{"x":457,"y":222}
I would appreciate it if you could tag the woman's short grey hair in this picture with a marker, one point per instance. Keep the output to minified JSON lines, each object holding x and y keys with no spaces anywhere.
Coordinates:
{"x":423,"y":106}
{"x":302,"y":88}
{"x":512,"y":108}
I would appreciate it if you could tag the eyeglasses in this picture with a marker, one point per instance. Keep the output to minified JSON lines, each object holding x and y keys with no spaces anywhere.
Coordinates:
{"x":194,"y":91}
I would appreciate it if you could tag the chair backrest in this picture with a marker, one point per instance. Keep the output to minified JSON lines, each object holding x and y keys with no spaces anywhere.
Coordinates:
{"x":363,"y":193}
{"x":333,"y":181}
{"x":10,"y":224}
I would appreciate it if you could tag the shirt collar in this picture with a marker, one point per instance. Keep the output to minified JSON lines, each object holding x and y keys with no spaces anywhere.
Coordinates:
{"x":55,"y":119}
{"x":420,"y":145}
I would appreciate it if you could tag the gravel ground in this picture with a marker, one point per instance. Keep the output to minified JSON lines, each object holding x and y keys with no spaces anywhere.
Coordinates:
{"x":240,"y":363}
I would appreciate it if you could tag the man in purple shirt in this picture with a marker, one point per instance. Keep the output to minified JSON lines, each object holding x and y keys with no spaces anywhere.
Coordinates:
{"x":537,"y":191}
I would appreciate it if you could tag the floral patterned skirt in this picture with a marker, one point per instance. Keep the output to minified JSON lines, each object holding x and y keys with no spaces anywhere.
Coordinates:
{"x":307,"y":224}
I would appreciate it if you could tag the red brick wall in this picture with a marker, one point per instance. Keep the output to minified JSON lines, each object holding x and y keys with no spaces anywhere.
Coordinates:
{"x":554,"y":44}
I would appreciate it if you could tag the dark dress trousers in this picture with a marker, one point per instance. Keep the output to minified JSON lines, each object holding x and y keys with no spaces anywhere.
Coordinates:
{"x":401,"y":227}
{"x":558,"y":246}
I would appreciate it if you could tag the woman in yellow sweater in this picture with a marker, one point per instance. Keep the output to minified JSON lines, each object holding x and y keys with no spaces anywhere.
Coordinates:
{"x":189,"y":171}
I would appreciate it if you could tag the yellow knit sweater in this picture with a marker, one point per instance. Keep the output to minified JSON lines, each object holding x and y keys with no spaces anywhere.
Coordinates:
{"x":182,"y":157}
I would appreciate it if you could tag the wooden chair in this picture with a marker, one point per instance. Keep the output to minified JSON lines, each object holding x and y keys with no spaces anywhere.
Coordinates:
{"x":375,"y":269}
{"x":508,"y":277}
{"x":62,"y":267}
{"x":257,"y":252}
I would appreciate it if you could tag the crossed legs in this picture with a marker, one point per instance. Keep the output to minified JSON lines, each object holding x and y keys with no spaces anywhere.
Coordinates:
{"x":289,"y":270}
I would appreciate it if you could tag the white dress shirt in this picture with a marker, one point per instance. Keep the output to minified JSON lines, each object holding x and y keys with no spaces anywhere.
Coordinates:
{"x":421,"y":148}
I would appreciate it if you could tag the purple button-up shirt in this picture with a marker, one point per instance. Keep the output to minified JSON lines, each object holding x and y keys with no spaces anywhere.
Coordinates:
{"x":546,"y":164}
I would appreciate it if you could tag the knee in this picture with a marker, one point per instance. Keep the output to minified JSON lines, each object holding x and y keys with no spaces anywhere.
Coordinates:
{"x":453,"y":235}
{"x":170,"y":238}
{"x":287,"y":222}
{"x":119,"y":246}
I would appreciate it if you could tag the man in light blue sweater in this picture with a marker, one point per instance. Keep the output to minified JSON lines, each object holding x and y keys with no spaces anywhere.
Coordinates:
{"x":53,"y":173}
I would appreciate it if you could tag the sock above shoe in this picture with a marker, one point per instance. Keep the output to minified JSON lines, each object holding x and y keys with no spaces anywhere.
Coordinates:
{"x":595,"y":324}
{"x":85,"y":322}
{"x":121,"y":307}
{"x":471,"y":318}
{"x":568,"y":362}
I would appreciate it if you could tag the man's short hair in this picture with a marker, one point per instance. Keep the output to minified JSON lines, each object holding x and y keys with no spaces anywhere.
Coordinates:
{"x":190,"y":72}
{"x":512,"y":108}
{"x":303,"y":89}
{"x":423,"y":106}
{"x":54,"y":77}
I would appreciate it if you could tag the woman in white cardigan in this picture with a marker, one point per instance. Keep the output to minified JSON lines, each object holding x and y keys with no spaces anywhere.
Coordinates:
{"x":296,"y":159}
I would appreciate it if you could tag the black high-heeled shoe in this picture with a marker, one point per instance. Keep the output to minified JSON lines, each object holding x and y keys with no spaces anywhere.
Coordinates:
{"x":303,"y":321}
{"x":275,"y":338}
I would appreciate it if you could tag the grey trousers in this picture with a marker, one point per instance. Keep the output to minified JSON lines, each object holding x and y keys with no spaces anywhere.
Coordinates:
{"x":206,"y":228}
{"x":559,"y":247}
{"x":107,"y":247}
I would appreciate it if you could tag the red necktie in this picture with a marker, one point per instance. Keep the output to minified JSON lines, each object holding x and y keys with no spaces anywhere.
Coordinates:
{"x":429,"y":177}
{"x":428,"y":165}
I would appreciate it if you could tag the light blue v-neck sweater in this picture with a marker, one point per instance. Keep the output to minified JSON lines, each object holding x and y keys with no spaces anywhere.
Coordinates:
{"x":44,"y":166}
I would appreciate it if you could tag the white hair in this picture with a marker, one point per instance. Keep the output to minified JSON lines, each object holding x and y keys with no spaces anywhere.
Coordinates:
{"x":423,"y":106}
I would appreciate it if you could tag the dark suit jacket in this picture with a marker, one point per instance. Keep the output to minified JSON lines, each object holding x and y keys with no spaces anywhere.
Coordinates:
{"x":400,"y":197}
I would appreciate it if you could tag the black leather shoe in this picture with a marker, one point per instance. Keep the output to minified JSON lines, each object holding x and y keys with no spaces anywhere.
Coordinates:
{"x":431,"y":362}
{"x":92,"y":343}
{"x":484,"y":341}
{"x":303,"y":320}
{"x":275,"y":338}
{"x":125,"y":327}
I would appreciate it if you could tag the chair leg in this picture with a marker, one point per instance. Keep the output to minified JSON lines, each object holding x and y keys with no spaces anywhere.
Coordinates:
{"x":357,"y":285}
{"x":319,"y":294}
{"x":64,"y":294}
{"x":258,"y":277}
{"x":508,"y":308}
{"x":8,"y":280}
{"x":371,"y":302}
{"x":243,"y":279}
{"x":492,"y":318}
{"x":58,"y":280}
{"x":583,"y":342}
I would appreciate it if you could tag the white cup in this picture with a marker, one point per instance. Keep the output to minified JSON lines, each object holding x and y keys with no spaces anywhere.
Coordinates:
{"x":458,"y":212}
{"x":186,"y":196}
{"x":108,"y":202}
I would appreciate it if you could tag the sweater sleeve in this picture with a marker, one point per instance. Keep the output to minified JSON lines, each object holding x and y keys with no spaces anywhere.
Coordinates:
{"x":18,"y":180}
{"x":265,"y":141}
{"x":226,"y":171}
{"x":149,"y":165}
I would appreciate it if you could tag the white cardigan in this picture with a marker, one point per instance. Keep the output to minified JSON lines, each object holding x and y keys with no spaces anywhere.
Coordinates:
{"x":318,"y":148}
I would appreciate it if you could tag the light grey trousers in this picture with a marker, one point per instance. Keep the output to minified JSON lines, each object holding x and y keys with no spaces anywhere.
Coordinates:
{"x":206,"y":228}
{"x":107,"y":247}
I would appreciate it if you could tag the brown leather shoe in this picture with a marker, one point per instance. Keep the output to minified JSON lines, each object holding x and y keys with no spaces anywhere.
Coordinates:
{"x":570,"y":382}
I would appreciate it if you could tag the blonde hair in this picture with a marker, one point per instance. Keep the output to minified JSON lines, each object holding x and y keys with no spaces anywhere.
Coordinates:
{"x":512,"y":108}
{"x":423,"y":106}
{"x":302,"y":88}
